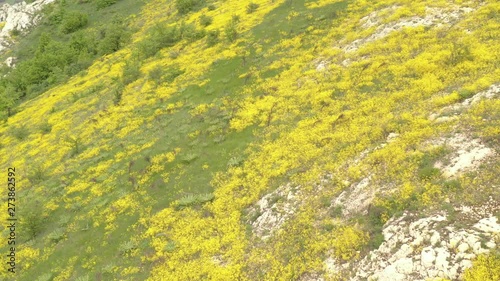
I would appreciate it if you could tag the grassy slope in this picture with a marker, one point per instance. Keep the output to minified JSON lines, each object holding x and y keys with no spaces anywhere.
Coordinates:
{"x":244,"y":118}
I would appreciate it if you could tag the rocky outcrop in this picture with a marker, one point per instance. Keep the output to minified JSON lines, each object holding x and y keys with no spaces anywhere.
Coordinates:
{"x":434,"y":17}
{"x":19,"y":16}
{"x":272,"y":210}
{"x":467,"y":155}
{"x":438,"y":246}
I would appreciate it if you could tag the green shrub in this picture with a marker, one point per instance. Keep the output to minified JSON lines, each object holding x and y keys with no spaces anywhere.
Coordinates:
{"x":187,"y":200}
{"x":104,"y":3}
{"x":205,"y":197}
{"x":45,"y":128}
{"x":465,"y":94}
{"x":206,"y":20}
{"x":75,"y":144}
{"x":73,"y":21}
{"x":252,"y":7}
{"x":195,"y":199}
{"x":190,"y":157}
{"x":452,"y":185}
{"x":172,"y":73}
{"x":186,"y":6}
{"x":57,"y":235}
{"x":160,"y":37}
{"x":213,"y":37}
{"x":170,"y":247}
{"x":156,"y":74}
{"x":33,"y":222}
{"x":15,"y":32}
{"x":37,"y":174}
{"x":127,"y":247}
{"x":117,"y":94}
{"x":189,"y":32}
{"x":54,"y":16}
{"x":20,"y":133}
{"x":231,"y":29}
{"x":460,"y":52}
{"x":112,"y":38}
{"x":428,"y":172}
{"x":131,"y":72}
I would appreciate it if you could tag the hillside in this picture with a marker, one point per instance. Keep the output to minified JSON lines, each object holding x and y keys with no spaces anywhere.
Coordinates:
{"x":253,"y":140}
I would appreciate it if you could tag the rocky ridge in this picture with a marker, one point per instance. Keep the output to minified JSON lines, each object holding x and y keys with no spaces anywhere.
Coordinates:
{"x":20,"y":16}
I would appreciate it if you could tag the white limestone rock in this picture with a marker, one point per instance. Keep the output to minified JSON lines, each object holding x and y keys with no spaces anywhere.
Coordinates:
{"x":19,"y":16}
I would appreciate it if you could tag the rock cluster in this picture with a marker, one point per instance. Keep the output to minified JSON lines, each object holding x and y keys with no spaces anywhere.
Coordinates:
{"x":274,"y":209}
{"x":426,"y":248}
{"x":467,"y":154}
{"x":19,"y":16}
{"x":434,"y":17}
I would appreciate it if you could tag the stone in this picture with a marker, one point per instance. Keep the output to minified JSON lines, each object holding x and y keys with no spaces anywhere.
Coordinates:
{"x":488,"y":225}
{"x":322,"y":65}
{"x":453,"y":242}
{"x":403,"y":252}
{"x":466,"y":264}
{"x":453,"y":273}
{"x":19,"y":16}
{"x":463,"y":247}
{"x":389,"y":273}
{"x":418,"y":241}
{"x":10,"y":62}
{"x":491,"y":244}
{"x":428,"y":256}
{"x":404,"y":265}
{"x":442,"y":259}
{"x":435,"y":238}
{"x":392,"y":137}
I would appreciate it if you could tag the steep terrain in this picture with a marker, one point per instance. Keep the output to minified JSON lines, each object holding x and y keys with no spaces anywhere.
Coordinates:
{"x":256,"y":140}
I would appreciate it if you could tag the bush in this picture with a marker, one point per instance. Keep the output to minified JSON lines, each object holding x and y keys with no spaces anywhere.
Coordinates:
{"x":465,"y":94}
{"x":131,"y":72}
{"x":460,"y":52}
{"x":172,"y":73}
{"x":186,"y":6}
{"x":56,"y":235}
{"x":189,"y":158}
{"x":231,"y":30}
{"x":15,"y":32}
{"x":73,"y":21}
{"x":37,"y":175}
{"x":20,"y":133}
{"x":112,"y":38}
{"x":34,"y":224}
{"x":156,"y":74}
{"x":195,"y":199}
{"x":75,"y":144}
{"x":206,"y":20}
{"x":189,"y":32}
{"x":54,"y":16}
{"x":170,"y":247}
{"x":252,"y":7}
{"x":213,"y":37}
{"x":104,"y":3}
{"x":127,"y":247}
{"x":117,"y":94}
{"x":160,"y":37}
{"x":45,"y":128}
